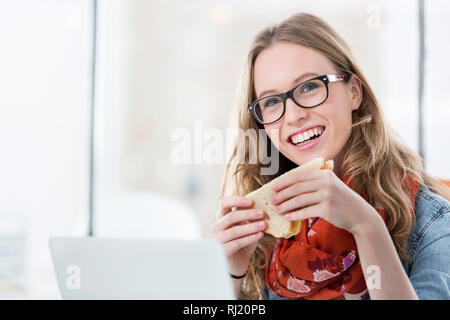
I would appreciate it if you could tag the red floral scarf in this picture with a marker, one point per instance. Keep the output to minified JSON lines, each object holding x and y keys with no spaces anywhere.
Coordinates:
{"x":321,"y":262}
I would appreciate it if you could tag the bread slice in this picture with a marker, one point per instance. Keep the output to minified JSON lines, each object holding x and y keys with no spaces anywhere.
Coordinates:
{"x":278,"y":225}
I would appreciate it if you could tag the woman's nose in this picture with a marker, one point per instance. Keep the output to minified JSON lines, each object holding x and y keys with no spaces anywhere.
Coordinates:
{"x":293,"y":112}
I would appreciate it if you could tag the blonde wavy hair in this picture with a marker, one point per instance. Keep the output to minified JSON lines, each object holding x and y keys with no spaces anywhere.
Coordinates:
{"x":375,"y":162}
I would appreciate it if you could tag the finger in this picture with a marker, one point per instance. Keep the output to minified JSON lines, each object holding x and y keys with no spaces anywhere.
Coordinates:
{"x":233,"y":246}
{"x":227,"y":203}
{"x":241,"y":231}
{"x":238,"y":216}
{"x":296,"y":189}
{"x":314,"y":211}
{"x":284,"y":182}
{"x":300,"y":201}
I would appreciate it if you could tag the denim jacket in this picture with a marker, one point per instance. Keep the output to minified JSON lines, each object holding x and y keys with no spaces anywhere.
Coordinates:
{"x":428,"y":247}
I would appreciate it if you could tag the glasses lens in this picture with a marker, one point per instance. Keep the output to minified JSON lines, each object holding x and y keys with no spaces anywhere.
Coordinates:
{"x":310,"y":93}
{"x":269,"y":109}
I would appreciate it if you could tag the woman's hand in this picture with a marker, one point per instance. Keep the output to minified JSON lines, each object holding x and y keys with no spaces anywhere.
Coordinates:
{"x":238,"y":229}
{"x":322,"y":194}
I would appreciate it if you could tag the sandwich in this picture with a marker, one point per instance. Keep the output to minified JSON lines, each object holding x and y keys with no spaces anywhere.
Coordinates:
{"x":277,"y":225}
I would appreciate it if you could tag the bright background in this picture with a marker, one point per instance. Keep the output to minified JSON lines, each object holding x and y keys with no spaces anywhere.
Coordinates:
{"x":162,"y":66}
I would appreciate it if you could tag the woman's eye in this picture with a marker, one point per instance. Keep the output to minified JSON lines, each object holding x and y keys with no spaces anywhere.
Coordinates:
{"x":270,"y":103}
{"x":307,"y":87}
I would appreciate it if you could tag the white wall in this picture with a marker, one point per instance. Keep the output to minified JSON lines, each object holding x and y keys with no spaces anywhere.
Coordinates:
{"x":437,"y":88}
{"x":45,"y":81}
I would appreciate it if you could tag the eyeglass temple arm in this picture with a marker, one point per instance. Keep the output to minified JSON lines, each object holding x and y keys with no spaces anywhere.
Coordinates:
{"x":336,"y":77}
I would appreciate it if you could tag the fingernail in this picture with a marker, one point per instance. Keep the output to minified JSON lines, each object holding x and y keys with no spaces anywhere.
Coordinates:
{"x":247,"y":200}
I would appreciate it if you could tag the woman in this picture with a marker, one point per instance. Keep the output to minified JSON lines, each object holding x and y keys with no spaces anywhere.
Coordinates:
{"x":377,"y":227}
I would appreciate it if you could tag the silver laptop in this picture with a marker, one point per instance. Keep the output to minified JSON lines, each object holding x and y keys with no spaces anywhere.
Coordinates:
{"x":107,"y":268}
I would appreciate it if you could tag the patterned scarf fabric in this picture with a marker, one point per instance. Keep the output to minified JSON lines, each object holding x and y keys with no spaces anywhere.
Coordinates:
{"x":321,"y":262}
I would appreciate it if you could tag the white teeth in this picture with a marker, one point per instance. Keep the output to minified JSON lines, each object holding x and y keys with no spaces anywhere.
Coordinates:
{"x":307,"y":135}
{"x":298,"y":138}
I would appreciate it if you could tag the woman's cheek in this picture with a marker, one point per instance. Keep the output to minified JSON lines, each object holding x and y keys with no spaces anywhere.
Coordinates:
{"x":274,"y":133}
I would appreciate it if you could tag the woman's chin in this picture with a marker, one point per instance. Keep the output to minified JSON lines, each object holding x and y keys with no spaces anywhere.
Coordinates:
{"x":302,"y":160}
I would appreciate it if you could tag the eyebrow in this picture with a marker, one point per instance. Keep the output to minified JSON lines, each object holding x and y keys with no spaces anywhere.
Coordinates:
{"x":296,"y":80}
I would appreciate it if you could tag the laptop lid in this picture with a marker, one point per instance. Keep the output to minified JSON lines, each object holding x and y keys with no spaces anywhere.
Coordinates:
{"x":108,"y":268}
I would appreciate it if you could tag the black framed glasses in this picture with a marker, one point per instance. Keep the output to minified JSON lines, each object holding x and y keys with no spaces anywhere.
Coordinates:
{"x":308,"y":94}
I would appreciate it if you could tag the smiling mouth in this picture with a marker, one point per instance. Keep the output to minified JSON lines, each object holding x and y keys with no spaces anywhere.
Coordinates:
{"x":308,"y":141}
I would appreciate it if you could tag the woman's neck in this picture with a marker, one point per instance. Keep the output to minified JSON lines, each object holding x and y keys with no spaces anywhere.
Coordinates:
{"x":338,"y":160}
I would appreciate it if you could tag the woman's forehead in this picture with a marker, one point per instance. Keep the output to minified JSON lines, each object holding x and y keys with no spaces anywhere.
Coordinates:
{"x":279,"y":65}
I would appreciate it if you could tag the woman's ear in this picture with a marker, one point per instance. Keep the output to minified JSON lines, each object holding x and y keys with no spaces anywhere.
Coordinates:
{"x":355,"y":91}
